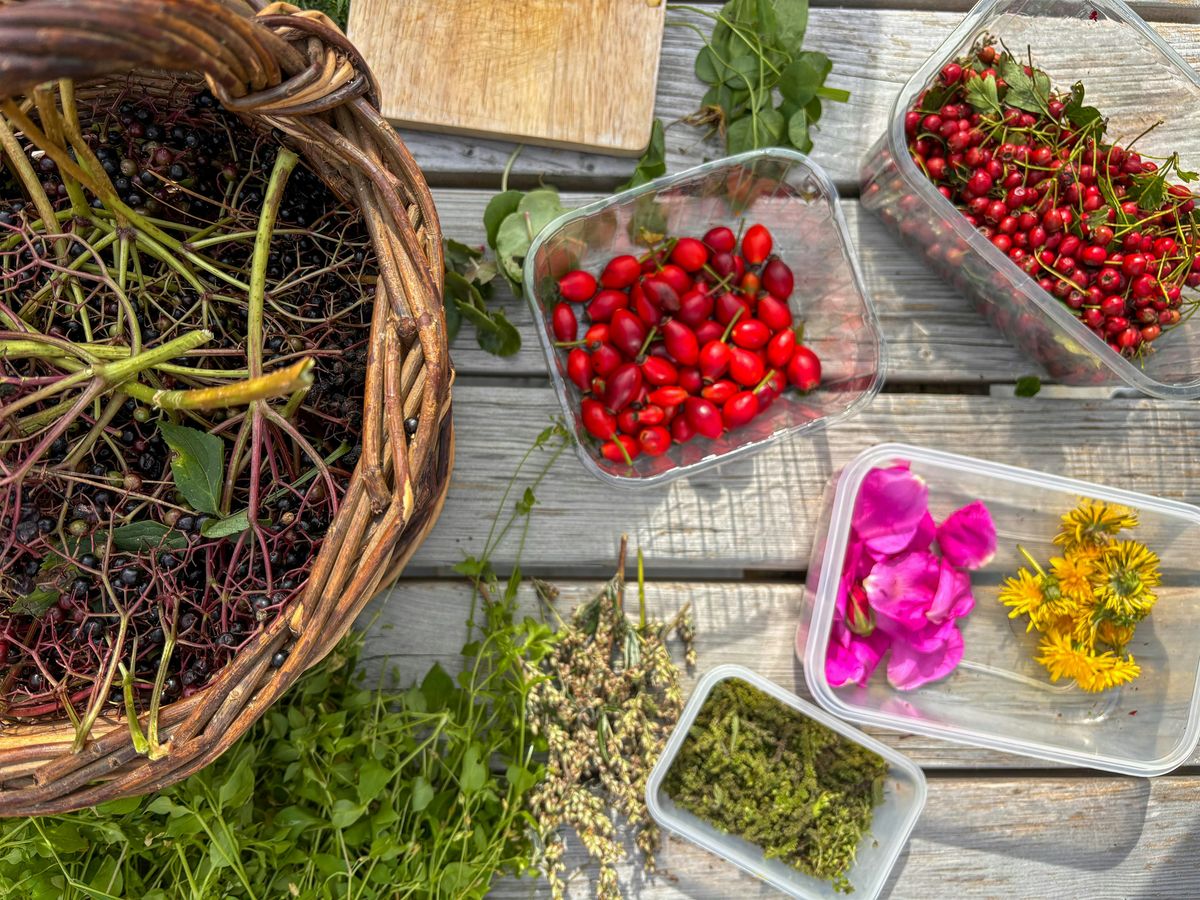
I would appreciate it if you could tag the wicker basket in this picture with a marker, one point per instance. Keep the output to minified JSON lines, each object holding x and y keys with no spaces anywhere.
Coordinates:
{"x":295,"y":71}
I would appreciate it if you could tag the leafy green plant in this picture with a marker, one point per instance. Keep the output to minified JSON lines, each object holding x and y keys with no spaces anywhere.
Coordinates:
{"x":338,"y":10}
{"x":341,"y":790}
{"x":764,"y":91}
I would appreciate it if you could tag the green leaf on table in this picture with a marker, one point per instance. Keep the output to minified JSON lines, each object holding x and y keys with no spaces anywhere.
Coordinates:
{"x":792,"y":19}
{"x":814,"y":110}
{"x":534,"y":211}
{"x":493,"y":331}
{"x":708,"y":66}
{"x":740,"y":136}
{"x":34,"y":604}
{"x":798,"y":131}
{"x":982,"y":95}
{"x":803,"y":77}
{"x":498,"y":209}
{"x":1028,"y":386}
{"x":198,"y":465}
{"x":437,"y":687}
{"x":742,"y":72}
{"x":453,"y":317}
{"x":774,"y":126}
{"x":653,"y":163}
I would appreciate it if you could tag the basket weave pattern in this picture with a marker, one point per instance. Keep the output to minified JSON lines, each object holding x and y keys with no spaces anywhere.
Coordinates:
{"x":276,"y":67}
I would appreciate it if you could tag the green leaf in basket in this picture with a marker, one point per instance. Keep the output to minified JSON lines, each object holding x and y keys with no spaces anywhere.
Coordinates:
{"x":148,"y":536}
{"x":197,"y":464}
{"x":982,"y":94}
{"x":34,"y":604}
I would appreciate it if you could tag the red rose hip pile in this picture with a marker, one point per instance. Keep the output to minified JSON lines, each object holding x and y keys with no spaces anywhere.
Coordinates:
{"x":1099,"y":226}
{"x":694,"y":338}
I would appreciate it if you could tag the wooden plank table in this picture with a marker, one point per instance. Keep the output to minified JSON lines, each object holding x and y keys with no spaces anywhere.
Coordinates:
{"x":735,"y":542}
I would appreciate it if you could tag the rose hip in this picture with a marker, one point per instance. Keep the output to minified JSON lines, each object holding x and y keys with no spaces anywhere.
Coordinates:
{"x":689,"y":254}
{"x":739,"y":409}
{"x":756,"y":244}
{"x":577,"y":286}
{"x":599,"y":422}
{"x":720,"y":239}
{"x":681,"y":343}
{"x":621,"y":272}
{"x":605,"y":303}
{"x":622,"y":448}
{"x":777,"y":279}
{"x":579,"y":368}
{"x":622,"y":386}
{"x":564,"y":323}
{"x":704,"y":417}
{"x":804,"y":370}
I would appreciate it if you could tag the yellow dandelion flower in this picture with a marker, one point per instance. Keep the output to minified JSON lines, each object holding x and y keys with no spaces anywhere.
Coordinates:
{"x":1123,"y":580}
{"x":1074,"y":576}
{"x":1114,"y":635}
{"x":1094,"y":522}
{"x":1086,"y":553}
{"x":1022,"y":594}
{"x":1091,"y":671}
{"x":1083,"y":629}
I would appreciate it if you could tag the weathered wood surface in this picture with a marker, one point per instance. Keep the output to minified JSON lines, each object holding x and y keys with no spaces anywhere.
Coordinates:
{"x":1002,"y":837}
{"x":419,"y":622}
{"x":933,"y":334}
{"x":874,"y":51}
{"x":760,"y":513}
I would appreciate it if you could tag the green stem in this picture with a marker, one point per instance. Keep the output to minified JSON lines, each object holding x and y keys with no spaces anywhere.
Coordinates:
{"x":285,"y":161}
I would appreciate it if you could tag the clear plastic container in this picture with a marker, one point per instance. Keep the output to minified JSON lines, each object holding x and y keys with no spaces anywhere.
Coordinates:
{"x":999,"y":696}
{"x":1135,"y":80}
{"x":796,"y":200}
{"x":903,"y":799}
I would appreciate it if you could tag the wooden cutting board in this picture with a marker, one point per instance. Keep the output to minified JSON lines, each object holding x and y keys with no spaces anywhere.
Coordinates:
{"x":567,"y":73}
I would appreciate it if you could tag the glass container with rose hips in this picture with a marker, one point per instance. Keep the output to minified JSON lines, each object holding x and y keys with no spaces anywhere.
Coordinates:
{"x":1049,"y":184}
{"x":678,"y":348}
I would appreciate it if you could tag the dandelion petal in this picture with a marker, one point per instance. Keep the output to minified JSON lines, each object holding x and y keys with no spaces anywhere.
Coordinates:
{"x":968,"y":536}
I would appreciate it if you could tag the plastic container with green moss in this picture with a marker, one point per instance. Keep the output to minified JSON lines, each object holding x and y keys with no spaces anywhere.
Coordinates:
{"x":889,"y":803}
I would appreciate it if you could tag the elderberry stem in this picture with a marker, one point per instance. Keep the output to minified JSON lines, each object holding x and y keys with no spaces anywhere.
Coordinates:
{"x":281,"y":382}
{"x":16,"y":156}
{"x":116,"y":372}
{"x":285,"y":161}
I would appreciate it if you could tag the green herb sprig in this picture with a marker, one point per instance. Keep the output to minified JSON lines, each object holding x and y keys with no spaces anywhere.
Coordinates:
{"x":752,"y":57}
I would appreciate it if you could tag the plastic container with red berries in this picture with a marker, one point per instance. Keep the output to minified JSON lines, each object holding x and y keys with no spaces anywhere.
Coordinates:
{"x":1076,"y":115}
{"x":703,"y":316}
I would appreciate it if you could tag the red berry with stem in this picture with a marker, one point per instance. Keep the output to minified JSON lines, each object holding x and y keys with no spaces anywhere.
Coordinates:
{"x":1134,"y":265}
{"x":745,"y":367}
{"x":622,"y":449}
{"x":627,"y":332}
{"x":694,"y":307}
{"x":720,"y":239}
{"x":655,"y":440}
{"x":682,"y":430}
{"x":599,"y":422}
{"x":650,"y":314}
{"x":658,"y":371}
{"x":577,"y":286}
{"x":622,"y":386}
{"x":564,"y":323}
{"x":606,"y":359}
{"x":579,"y":368}
{"x":652,"y":414}
{"x":704,"y":417}
{"x":621,"y":272}
{"x":729,"y":306}
{"x":689,"y":254}
{"x":670,"y":395}
{"x":679,"y":280}
{"x":714,"y":360}
{"x":750,"y":334}
{"x":774,"y":313}
{"x":605,"y":303}
{"x":661,"y":294}
{"x":804,"y":369}
{"x":681,"y":343}
{"x":756,"y":244}
{"x":780,"y":348}
{"x":777,"y":279}
{"x":690,"y":380}
{"x":709,"y":330}
{"x":980,"y":182}
{"x":719,"y":391}
{"x":951,"y":72}
{"x":739,"y":409}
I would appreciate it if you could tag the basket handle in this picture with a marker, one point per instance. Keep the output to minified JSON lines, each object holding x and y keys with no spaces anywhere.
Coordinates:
{"x":45,"y":40}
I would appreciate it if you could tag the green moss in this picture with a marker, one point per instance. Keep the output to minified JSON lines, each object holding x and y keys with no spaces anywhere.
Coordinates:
{"x":756,"y":768}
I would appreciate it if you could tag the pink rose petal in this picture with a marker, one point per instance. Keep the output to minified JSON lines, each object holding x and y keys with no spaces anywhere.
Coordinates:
{"x":902,"y":591}
{"x":891,"y":506}
{"x":932,"y":655}
{"x":953,"y":597}
{"x":967,"y":537}
{"x":850,"y":658}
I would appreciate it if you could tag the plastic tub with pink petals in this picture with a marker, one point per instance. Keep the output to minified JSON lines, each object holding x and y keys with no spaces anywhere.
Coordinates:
{"x":903,"y":624}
